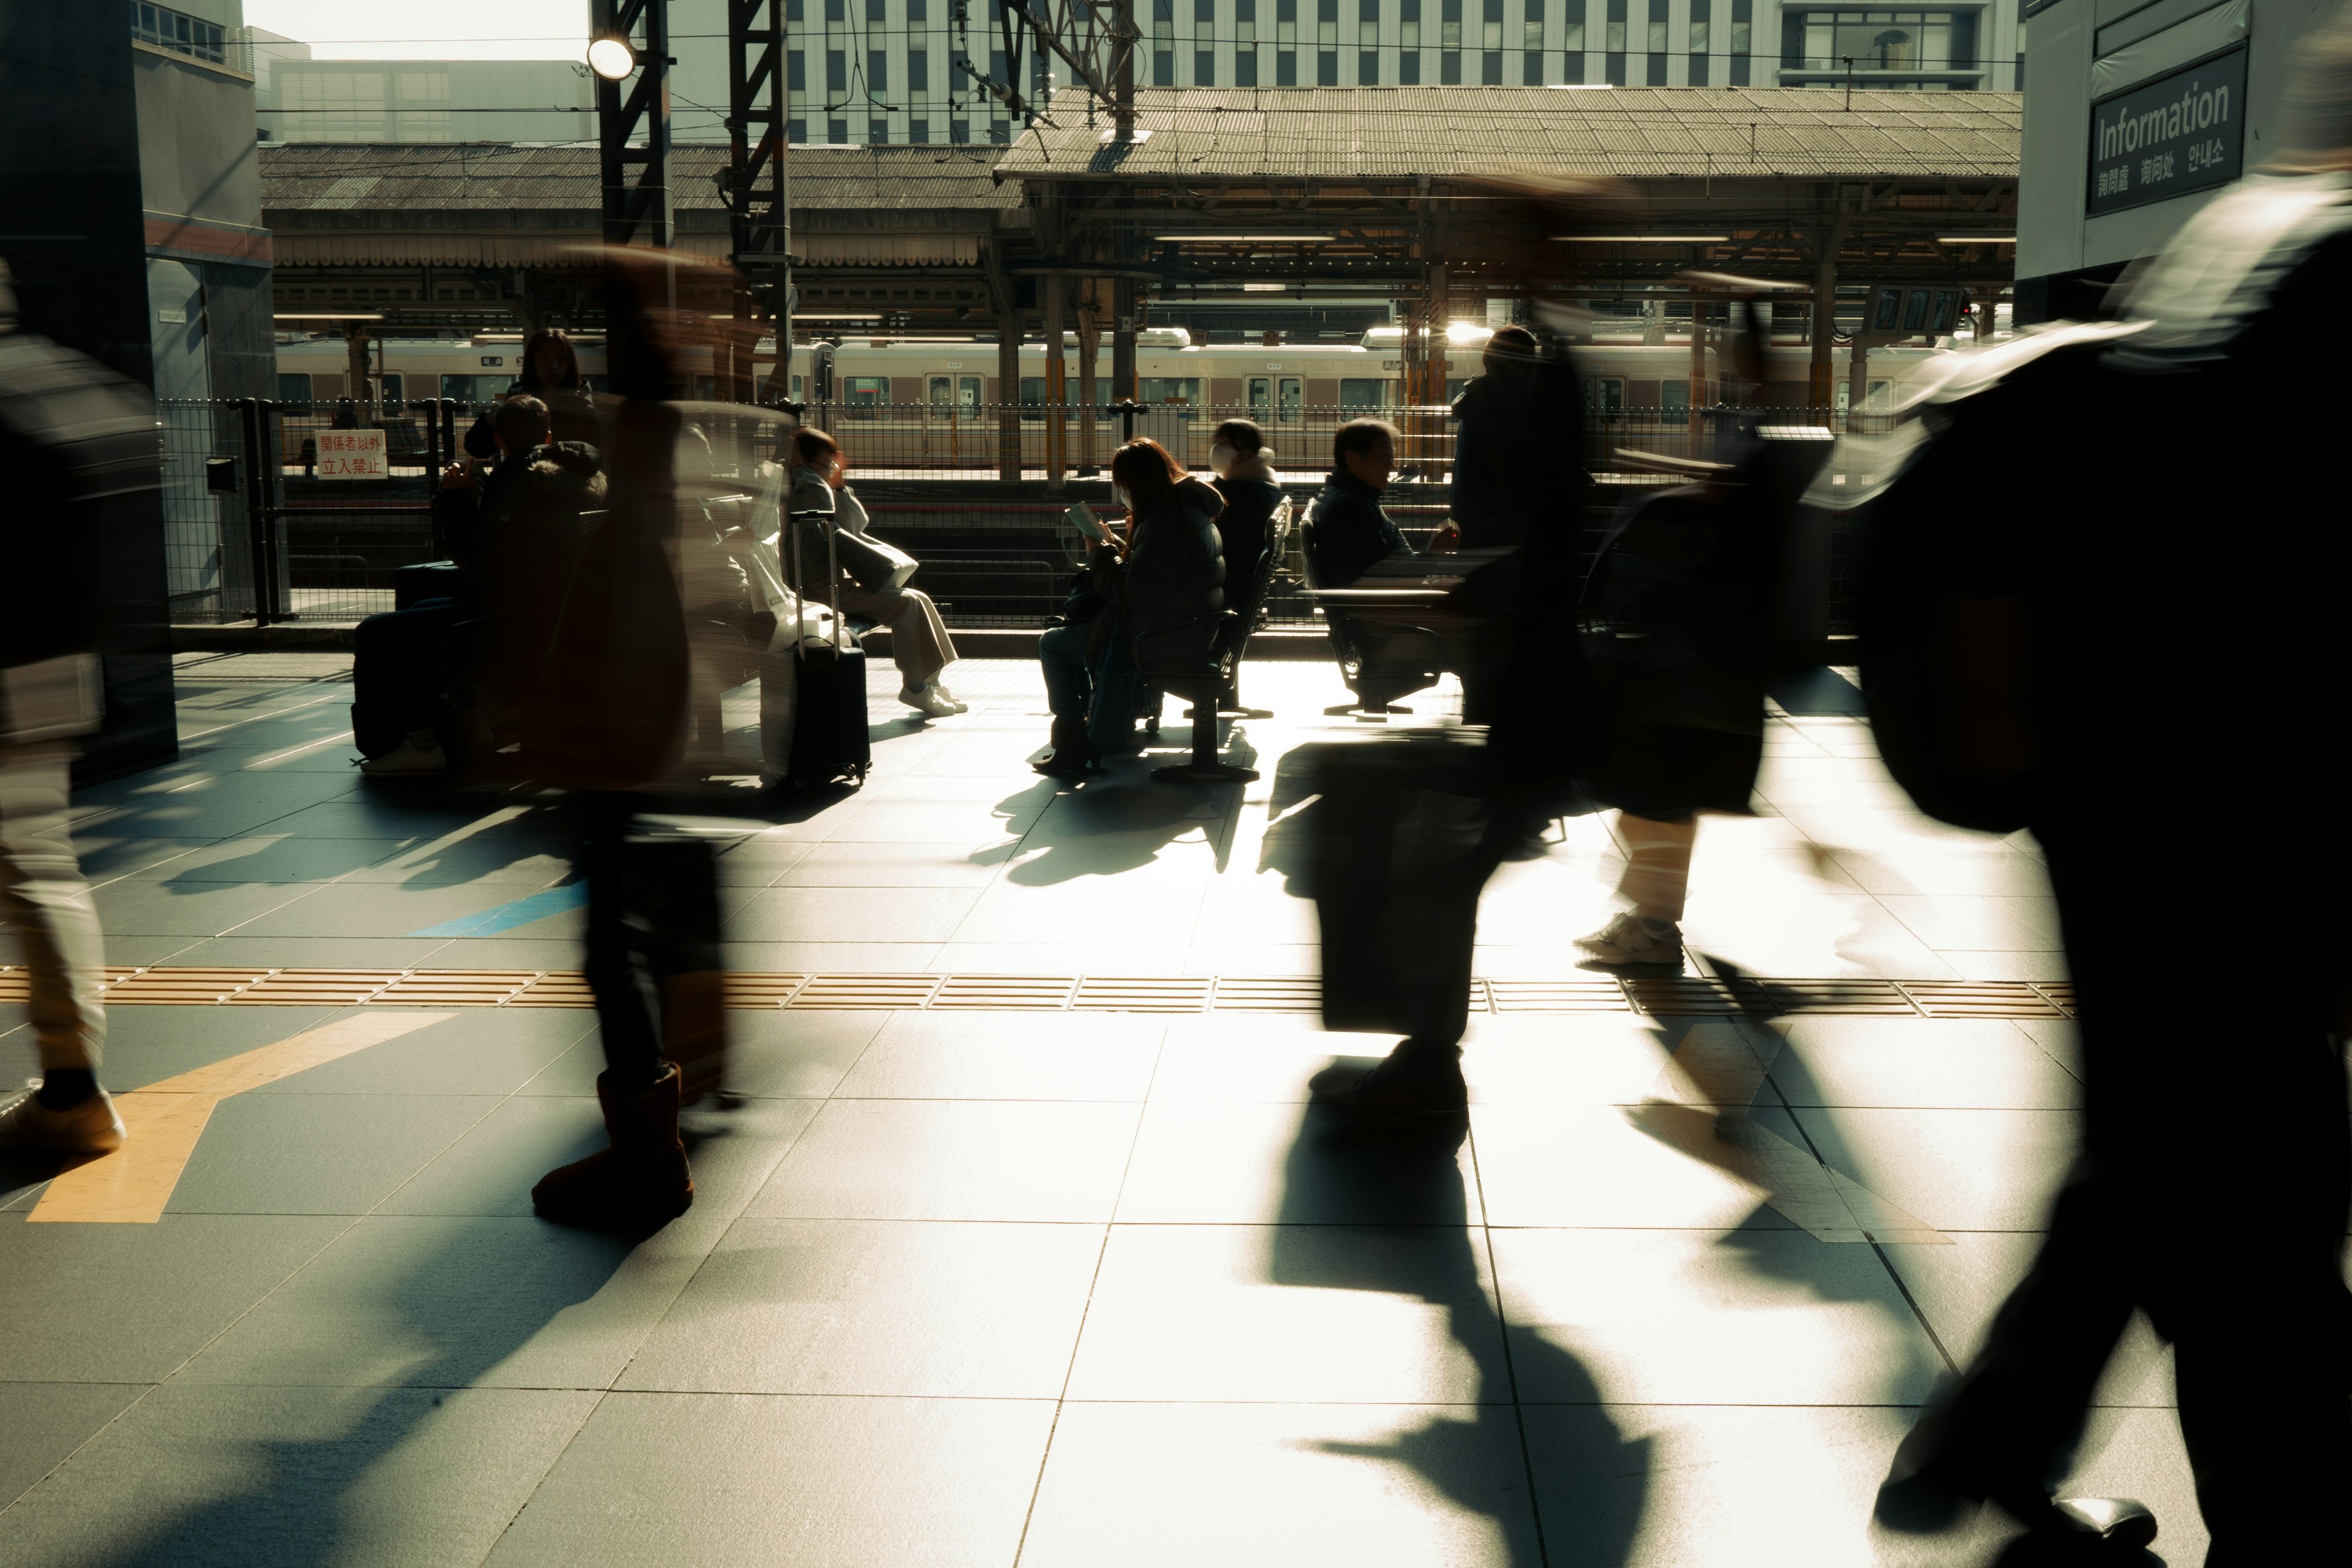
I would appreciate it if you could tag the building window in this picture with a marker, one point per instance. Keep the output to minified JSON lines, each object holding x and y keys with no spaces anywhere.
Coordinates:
{"x":1408,"y":67}
{"x":836,"y":72}
{"x":1163,"y":43}
{"x":959,"y":131}
{"x":183,"y":35}
{"x":1408,"y":24}
{"x":1326,"y":67}
{"x":1327,"y":24}
{"x":1367,"y":24}
{"x":1245,"y":68}
{"x":1490,"y":67}
{"x":796,"y":70}
{"x":1656,"y":39}
{"x":877,"y":70}
{"x":877,"y":11}
{"x":796,"y":131}
{"x":919,"y":131}
{"x":999,"y":132}
{"x":917,"y":11}
{"x":837,"y":131}
{"x":1878,"y":41}
{"x":836,"y":10}
{"x":1742,"y":33}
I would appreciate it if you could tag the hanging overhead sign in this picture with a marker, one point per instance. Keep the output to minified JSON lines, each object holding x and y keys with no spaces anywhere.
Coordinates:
{"x":2166,"y":138}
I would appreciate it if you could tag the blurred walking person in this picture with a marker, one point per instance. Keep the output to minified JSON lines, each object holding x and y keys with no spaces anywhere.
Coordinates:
{"x":2007,"y":672}
{"x":76,"y":442}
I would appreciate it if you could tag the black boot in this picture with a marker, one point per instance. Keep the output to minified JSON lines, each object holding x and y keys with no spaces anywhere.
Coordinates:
{"x":637,"y":1184}
{"x":1417,"y":1083}
{"x":1072,"y":757}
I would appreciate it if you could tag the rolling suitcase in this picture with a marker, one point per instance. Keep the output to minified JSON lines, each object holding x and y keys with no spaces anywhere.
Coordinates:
{"x":812,"y":688}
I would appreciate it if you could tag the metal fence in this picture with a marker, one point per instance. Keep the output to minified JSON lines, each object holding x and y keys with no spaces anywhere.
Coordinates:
{"x":265,"y":524}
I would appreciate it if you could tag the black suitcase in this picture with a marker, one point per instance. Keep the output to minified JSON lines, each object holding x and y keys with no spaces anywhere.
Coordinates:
{"x":812,"y":696}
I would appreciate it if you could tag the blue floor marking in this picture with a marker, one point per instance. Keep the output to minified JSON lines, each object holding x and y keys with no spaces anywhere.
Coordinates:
{"x":506,"y":916}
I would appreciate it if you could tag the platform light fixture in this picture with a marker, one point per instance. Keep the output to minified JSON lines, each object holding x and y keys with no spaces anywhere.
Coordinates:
{"x":1245,"y":238}
{"x":1976,"y":240}
{"x":326,"y":316}
{"x":610,"y":57}
{"x":1643,"y":238}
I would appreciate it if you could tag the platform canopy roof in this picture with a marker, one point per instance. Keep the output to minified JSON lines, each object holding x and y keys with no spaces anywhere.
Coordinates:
{"x":1404,"y":133}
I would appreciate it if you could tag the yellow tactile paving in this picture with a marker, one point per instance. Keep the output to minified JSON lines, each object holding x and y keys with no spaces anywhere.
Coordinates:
{"x":1674,"y":994}
{"x":166,"y":1120}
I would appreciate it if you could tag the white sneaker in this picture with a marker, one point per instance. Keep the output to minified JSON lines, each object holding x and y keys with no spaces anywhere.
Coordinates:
{"x":931,"y":700}
{"x":419,"y":754}
{"x":961,"y":705}
{"x":91,"y":1127}
{"x":1629,"y":938}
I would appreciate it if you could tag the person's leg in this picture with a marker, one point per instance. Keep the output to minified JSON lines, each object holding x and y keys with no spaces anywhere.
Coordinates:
{"x":398,"y":663}
{"x":45,"y":900}
{"x":1657,"y":865}
{"x":1062,"y":653}
{"x":918,"y":644}
{"x":640,"y":1179}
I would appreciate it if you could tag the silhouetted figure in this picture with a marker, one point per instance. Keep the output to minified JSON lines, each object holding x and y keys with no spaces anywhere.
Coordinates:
{"x":71,"y":440}
{"x":2211,"y":1191}
{"x":1172,"y":572}
{"x":1351,"y":530}
{"x":1503,"y":456}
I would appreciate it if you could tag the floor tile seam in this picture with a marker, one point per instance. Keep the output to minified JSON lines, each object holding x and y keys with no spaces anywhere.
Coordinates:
{"x":586,"y":1416}
{"x":146,"y":1392}
{"x":1086,"y":1308}
{"x":350,"y":1222}
{"x":1893,"y":1275}
{"x":196,"y":848}
{"x":1493,"y":1286}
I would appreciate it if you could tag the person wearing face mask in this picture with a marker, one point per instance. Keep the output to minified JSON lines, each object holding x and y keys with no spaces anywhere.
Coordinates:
{"x":1252,"y":490}
{"x":919,"y":644}
{"x":1172,"y":572}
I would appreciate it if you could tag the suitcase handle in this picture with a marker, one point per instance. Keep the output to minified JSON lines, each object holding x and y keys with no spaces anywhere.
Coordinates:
{"x":792,"y":572}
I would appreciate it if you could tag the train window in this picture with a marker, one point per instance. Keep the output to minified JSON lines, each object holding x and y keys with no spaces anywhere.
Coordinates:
{"x":866,"y":392}
{"x":472,"y":388}
{"x":1264,"y":389}
{"x":957,"y":396}
{"x":293,"y":388}
{"x":1261,"y":394}
{"x":1171,"y":389}
{"x":1674,"y":403}
{"x":392,"y":394}
{"x":1289,"y":393}
{"x":1363,"y":395}
{"x":1605,"y":393}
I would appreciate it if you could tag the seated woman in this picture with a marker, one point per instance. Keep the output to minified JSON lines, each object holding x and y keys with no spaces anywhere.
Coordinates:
{"x":1171,"y":571}
{"x":1252,"y":494}
{"x":919,"y":644}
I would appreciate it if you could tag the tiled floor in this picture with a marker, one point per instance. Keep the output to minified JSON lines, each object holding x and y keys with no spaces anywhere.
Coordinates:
{"x":985,"y":1288}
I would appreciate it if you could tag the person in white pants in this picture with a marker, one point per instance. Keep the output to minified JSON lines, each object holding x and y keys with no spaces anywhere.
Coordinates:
{"x":1656,"y":881}
{"x":46,"y":904}
{"x":919,"y":644}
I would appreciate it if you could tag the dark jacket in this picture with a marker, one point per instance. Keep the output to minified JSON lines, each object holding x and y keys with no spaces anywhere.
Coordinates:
{"x":1497,"y":457}
{"x":1352,"y":532}
{"x":533,"y":531}
{"x":460,"y":516}
{"x":1252,"y":498}
{"x":1176,"y":571}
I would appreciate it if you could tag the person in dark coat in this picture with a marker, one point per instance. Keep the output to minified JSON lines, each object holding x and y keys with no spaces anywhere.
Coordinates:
{"x":2215,"y":1173}
{"x":1350,"y":531}
{"x":1501,"y":458}
{"x":1172,"y":572}
{"x":1253,"y":493}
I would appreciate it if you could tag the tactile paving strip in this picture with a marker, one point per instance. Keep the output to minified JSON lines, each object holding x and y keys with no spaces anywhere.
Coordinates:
{"x":163,"y":986}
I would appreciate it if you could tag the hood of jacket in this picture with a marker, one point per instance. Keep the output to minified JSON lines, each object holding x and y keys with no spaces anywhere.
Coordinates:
{"x":809,"y":493}
{"x":1252,"y":467}
{"x":1196,"y":500}
{"x":573,"y":469}
{"x":1506,"y":387}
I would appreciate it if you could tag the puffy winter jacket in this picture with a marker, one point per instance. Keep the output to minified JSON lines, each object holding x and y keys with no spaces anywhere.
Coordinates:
{"x":1176,"y":571}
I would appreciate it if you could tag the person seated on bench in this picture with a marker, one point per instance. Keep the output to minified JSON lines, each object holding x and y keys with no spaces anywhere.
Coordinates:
{"x":1171,"y":573}
{"x":507,"y":523}
{"x":1252,"y":490}
{"x":919,"y":644}
{"x":1350,"y":531}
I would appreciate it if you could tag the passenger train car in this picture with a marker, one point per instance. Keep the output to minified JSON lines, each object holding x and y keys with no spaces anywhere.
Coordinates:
{"x":931,"y":404}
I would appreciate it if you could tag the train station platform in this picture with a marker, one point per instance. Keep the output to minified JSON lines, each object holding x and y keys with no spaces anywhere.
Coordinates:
{"x":1023,"y":1245}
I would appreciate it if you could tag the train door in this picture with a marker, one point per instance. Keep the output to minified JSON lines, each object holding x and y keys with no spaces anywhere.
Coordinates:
{"x":1289,"y":393}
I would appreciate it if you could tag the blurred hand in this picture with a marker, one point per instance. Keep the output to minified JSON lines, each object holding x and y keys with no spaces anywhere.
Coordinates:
{"x":457,"y":476}
{"x":1447,"y":540}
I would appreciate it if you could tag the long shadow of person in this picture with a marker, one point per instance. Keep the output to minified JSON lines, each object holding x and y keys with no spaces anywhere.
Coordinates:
{"x":1389,"y":1214}
{"x":1105,"y":828}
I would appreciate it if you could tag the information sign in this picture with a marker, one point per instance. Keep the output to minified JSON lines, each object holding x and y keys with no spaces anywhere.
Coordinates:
{"x":352,"y":455}
{"x":2166,"y":138}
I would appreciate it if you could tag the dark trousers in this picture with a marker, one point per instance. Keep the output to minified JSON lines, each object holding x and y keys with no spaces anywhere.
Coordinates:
{"x":400,"y":662}
{"x":653,"y":959}
{"x":2212,"y":1194}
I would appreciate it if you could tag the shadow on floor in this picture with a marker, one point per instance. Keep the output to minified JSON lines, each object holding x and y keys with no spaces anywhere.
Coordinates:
{"x":1389,"y":1214}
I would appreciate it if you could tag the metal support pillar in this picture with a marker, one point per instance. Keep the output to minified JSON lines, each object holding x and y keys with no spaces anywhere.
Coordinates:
{"x":1436,"y":371}
{"x":636,"y":210}
{"x":758,"y":193}
{"x":1057,"y":430}
{"x":1698,"y":391}
{"x":1857,"y":382}
{"x":1089,"y":383}
{"x":1122,"y":339}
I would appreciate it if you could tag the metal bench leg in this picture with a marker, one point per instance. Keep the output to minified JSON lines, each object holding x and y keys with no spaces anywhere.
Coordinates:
{"x":1204,"y":767}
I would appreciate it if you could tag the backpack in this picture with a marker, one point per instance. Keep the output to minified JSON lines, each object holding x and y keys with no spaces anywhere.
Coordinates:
{"x":82,"y":460}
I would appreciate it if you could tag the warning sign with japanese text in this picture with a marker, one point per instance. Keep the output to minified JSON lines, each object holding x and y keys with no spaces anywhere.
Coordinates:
{"x":352,"y":455}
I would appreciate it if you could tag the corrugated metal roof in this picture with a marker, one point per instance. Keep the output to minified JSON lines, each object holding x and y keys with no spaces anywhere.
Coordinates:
{"x":1633,"y":134}
{"x":445,"y":176}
